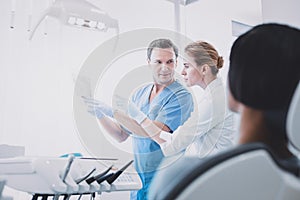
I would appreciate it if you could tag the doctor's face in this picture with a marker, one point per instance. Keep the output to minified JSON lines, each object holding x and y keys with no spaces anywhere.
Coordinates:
{"x":163,"y":63}
{"x":191,"y":73}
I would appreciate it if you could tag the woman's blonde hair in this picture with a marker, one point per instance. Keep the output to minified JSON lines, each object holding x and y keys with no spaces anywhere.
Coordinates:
{"x":205,"y":53}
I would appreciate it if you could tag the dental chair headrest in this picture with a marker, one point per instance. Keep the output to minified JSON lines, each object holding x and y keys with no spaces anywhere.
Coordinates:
{"x":293,"y":119}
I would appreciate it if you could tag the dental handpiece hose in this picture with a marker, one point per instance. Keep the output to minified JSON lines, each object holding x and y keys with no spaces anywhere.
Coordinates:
{"x":68,"y":167}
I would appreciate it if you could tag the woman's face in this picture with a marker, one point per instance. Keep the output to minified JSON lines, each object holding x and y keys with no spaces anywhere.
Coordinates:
{"x":191,"y":72}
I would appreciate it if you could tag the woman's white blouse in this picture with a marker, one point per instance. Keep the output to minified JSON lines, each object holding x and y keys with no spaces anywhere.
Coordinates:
{"x":210,"y":128}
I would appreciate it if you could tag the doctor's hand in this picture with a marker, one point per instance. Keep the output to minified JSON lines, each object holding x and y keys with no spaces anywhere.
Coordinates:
{"x":120,"y":103}
{"x":132,"y":110}
{"x":97,"y":108}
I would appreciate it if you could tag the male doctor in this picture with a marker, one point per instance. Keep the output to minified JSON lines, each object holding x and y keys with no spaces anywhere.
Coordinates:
{"x":165,"y":102}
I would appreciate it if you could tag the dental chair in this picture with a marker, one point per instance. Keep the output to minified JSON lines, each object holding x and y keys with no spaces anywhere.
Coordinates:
{"x":2,"y":184}
{"x":246,"y":172}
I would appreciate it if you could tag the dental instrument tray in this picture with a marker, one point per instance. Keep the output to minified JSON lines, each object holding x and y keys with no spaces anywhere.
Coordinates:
{"x":67,"y":176}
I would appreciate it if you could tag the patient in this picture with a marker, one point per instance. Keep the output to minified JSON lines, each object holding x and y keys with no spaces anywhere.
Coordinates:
{"x":264,"y":72}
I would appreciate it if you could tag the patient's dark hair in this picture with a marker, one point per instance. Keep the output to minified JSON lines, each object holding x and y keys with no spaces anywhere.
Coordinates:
{"x":264,"y":66}
{"x":162,"y":44}
{"x":263,"y":74}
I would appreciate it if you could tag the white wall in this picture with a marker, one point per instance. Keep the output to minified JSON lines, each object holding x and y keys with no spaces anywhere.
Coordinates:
{"x":37,"y":77}
{"x":286,"y":12}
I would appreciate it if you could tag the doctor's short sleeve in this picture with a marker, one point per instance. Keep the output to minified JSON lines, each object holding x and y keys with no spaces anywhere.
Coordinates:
{"x":176,"y":110}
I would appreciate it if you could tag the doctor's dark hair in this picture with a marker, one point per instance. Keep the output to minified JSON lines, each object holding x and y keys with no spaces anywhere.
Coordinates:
{"x":264,"y":67}
{"x":162,"y":44}
{"x":205,"y":53}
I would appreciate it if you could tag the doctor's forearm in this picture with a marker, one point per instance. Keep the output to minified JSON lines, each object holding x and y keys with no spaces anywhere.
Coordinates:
{"x":153,"y":130}
{"x":172,"y":143}
{"x":113,"y":129}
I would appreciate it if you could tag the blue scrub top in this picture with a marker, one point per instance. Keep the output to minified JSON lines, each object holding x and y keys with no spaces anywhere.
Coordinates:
{"x":171,"y":107}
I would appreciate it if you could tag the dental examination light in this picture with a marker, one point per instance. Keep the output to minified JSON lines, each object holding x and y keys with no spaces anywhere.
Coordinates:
{"x":78,"y":13}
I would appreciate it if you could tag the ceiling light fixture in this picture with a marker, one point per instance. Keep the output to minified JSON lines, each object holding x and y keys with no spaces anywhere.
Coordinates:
{"x":78,"y":13}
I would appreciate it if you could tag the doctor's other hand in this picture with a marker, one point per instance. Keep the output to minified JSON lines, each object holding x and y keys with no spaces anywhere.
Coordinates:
{"x":97,"y":108}
{"x":129,"y":107}
{"x":120,"y":103}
